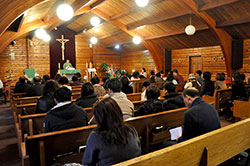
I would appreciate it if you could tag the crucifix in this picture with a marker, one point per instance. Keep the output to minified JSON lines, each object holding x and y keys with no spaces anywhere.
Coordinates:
{"x":62,"y":41}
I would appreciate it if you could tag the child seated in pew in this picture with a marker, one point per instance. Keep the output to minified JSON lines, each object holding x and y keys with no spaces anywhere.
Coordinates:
{"x":112,"y":142}
{"x":46,"y":102}
{"x":153,"y":104}
{"x":65,"y":114}
{"x":144,"y":86}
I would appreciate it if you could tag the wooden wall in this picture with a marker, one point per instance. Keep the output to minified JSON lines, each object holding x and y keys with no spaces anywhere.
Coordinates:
{"x":246,"y":58}
{"x":14,"y":58}
{"x":212,"y":60}
{"x":137,"y":60}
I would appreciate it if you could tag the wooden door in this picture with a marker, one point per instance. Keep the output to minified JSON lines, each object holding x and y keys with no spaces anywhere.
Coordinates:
{"x":195,"y":63}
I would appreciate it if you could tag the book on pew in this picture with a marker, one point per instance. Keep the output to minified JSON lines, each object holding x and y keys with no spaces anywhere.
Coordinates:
{"x":175,"y":133}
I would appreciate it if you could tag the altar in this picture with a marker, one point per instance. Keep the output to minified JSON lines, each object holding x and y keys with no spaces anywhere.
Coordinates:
{"x":69,"y":73}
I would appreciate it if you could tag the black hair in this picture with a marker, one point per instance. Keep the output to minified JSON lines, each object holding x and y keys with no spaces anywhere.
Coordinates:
{"x":46,"y":78}
{"x":242,"y":77}
{"x":223,"y":74}
{"x":124,"y":80}
{"x":158,"y":74}
{"x":170,"y":77}
{"x":236,"y":77}
{"x":87,"y":89}
{"x":37,"y":79}
{"x":145,"y":84}
{"x":161,"y":72}
{"x":50,"y":87}
{"x":220,"y":77}
{"x":105,"y":78}
{"x":199,"y":72}
{"x":63,"y":81}
{"x":207,"y":76}
{"x":22,"y":80}
{"x":175,"y":71}
{"x":191,"y":92}
{"x":63,"y":94}
{"x":95,"y":80}
{"x":57,"y":77}
{"x":152,"y":72}
{"x":169,"y":86}
{"x":74,"y":78}
{"x":135,"y":74}
{"x":144,"y":69}
{"x":114,"y":84}
{"x":152,"y":92}
{"x":110,"y":125}
{"x":78,"y":75}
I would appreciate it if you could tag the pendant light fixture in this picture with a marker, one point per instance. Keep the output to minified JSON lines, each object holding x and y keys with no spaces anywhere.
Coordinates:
{"x":65,"y":12}
{"x":190,"y":29}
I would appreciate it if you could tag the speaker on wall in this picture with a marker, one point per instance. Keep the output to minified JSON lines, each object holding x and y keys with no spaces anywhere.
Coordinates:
{"x":237,"y":53}
{"x":168,"y":60}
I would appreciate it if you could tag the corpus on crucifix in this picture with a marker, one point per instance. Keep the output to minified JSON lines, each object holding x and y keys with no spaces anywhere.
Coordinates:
{"x":62,"y":41}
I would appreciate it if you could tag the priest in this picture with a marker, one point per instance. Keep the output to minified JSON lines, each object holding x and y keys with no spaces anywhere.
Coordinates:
{"x":67,"y":65}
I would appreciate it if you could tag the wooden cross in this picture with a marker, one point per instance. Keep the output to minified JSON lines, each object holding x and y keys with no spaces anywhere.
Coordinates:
{"x":62,"y":41}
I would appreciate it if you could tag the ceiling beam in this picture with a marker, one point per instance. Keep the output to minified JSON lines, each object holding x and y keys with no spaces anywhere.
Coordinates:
{"x":224,"y":38}
{"x":133,"y":9}
{"x":11,"y":10}
{"x":51,"y":12}
{"x":233,"y":22}
{"x":110,"y":34}
{"x":217,"y":3}
{"x":177,"y":32}
{"x":158,"y":19}
{"x":155,"y":50}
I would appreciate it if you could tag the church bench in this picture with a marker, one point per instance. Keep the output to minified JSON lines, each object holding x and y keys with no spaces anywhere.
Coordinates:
{"x":222,"y":96}
{"x":26,"y":100}
{"x":76,"y":87}
{"x":41,"y":149}
{"x":209,"y":149}
{"x":76,"y":95}
{"x":76,"y":90}
{"x":159,"y":84}
{"x":138,"y":85}
{"x":18,"y":95}
{"x":137,"y":104}
{"x":180,"y":87}
{"x":241,"y":109}
{"x":134,"y":96}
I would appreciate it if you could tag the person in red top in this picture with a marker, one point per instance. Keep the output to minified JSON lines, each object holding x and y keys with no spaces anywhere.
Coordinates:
{"x":178,"y":77}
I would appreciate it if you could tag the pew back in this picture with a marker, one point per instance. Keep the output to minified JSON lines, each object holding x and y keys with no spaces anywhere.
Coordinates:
{"x":221,"y":145}
{"x":241,"y":109}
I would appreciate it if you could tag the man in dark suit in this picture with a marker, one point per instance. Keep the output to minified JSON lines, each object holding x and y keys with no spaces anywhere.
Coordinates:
{"x":200,"y":118}
{"x":36,"y":89}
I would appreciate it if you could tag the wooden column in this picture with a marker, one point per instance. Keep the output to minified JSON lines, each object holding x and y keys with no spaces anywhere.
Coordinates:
{"x":224,"y":38}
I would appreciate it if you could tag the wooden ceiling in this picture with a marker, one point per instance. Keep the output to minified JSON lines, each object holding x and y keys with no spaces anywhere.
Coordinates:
{"x":162,"y":22}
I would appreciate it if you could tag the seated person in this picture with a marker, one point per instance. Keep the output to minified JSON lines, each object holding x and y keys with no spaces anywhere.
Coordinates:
{"x":200,"y":118}
{"x":64,"y":115}
{"x":153,"y":104}
{"x":178,"y":77}
{"x":135,"y":75}
{"x":152,"y":77}
{"x":88,"y":97}
{"x":199,"y":76}
{"x":238,"y":88}
{"x":220,"y":82}
{"x":207,"y":87}
{"x":104,"y":79}
{"x":143,"y":73}
{"x":144,"y":86}
{"x":63,"y":82}
{"x":99,"y":90}
{"x":57,"y":77}
{"x":36,"y":89}
{"x":173,"y":99}
{"x":21,"y":86}
{"x":2,"y":91}
{"x":113,"y":141}
{"x":46,"y":102}
{"x":158,"y":77}
{"x":191,"y":82}
{"x":170,"y":78}
{"x":75,"y":81}
{"x":45,"y":79}
{"x":79,"y":77}
{"x":126,"y":88}
{"x":163,"y":76}
{"x":114,"y":87}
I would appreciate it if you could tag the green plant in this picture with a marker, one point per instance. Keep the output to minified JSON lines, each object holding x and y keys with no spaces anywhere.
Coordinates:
{"x":104,"y":67}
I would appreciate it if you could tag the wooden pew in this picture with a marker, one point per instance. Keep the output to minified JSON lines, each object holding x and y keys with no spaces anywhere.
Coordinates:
{"x":241,"y":109}
{"x":26,"y":100}
{"x":222,"y":96}
{"x":180,"y":87}
{"x":209,"y":149}
{"x":134,"y":96}
{"x":41,"y":149}
{"x":158,"y":84}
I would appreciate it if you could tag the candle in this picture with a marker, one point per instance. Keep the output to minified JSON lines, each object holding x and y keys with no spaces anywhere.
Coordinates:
{"x":59,"y":66}
{"x":86,"y":65}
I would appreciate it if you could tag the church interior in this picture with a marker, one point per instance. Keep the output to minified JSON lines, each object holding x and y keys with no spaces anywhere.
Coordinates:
{"x":125,"y":35}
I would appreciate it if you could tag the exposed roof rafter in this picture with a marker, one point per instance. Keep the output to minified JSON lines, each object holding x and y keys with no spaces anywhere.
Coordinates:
{"x":233,"y":22}
{"x":216,"y":4}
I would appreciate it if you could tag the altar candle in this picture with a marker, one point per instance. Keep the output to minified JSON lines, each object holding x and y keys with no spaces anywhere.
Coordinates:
{"x":58,"y":65}
{"x":86,"y":65}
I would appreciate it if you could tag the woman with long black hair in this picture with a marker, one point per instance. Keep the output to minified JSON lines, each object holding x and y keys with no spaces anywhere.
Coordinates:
{"x":113,"y":141}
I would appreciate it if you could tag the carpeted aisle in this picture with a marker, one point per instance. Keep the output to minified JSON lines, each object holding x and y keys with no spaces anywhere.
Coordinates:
{"x":8,"y":141}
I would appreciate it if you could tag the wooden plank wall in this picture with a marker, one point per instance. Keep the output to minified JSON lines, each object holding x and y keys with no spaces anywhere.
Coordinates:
{"x":246,"y":58}
{"x":212,"y":60}
{"x":137,"y":60}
